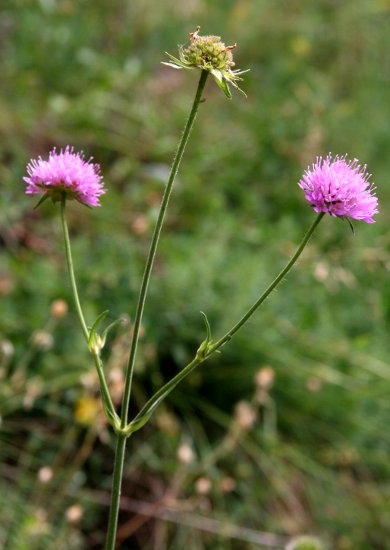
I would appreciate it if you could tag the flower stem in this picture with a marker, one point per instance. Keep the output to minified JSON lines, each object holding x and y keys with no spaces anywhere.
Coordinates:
{"x":162,"y":393}
{"x":107,"y":402}
{"x":72,"y":277}
{"x":153,"y":247}
{"x":268,"y":291}
{"x":121,"y":438}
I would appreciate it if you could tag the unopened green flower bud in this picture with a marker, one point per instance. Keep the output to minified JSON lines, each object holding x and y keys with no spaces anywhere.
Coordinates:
{"x":208,"y":53}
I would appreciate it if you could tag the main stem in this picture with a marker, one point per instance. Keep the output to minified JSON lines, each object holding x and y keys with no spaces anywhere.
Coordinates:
{"x":153,"y":248}
{"x":116,"y":491}
{"x":121,"y":441}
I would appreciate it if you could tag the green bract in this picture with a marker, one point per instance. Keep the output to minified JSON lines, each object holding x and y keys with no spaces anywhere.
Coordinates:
{"x":208,"y":53}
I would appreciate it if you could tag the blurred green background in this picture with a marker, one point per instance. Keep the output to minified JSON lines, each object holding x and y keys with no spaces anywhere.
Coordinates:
{"x":285,"y":432}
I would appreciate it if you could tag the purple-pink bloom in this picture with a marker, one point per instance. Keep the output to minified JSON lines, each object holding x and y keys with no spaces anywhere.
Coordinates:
{"x":340,"y":187}
{"x":65,"y":172}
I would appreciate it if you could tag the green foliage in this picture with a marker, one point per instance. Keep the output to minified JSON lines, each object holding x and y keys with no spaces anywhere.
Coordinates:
{"x":305,"y":543}
{"x":315,"y":457}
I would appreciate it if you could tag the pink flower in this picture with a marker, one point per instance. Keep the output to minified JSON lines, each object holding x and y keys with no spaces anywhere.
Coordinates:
{"x":65,"y":172}
{"x":340,"y":187}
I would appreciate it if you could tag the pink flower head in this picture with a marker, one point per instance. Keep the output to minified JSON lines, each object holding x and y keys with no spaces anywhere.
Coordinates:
{"x":65,"y":172}
{"x":340,"y":187}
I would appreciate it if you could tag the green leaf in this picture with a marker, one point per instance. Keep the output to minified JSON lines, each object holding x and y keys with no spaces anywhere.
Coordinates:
{"x":41,"y":200}
{"x":110,"y":327}
{"x":350,"y":225}
{"x":237,"y":87}
{"x":137,"y":424}
{"x":173,"y":65}
{"x":221,"y":81}
{"x":208,"y":329}
{"x":203,"y":349}
{"x":85,"y":204}
{"x":112,"y":417}
{"x":94,"y":340}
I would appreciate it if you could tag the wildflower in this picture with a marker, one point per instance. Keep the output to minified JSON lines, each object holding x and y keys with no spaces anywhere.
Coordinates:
{"x":208,"y":53}
{"x":66,"y":173}
{"x":340,"y":187}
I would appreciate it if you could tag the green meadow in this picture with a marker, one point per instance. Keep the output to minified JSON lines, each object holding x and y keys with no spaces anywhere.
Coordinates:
{"x":284,"y":433}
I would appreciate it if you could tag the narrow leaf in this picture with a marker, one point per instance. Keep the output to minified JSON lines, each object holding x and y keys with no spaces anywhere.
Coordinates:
{"x":92,"y":332}
{"x":173,"y":65}
{"x":41,"y":200}
{"x":110,"y":327}
{"x":350,"y":225}
{"x":113,"y":418}
{"x":208,"y":329}
{"x":221,"y":83}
